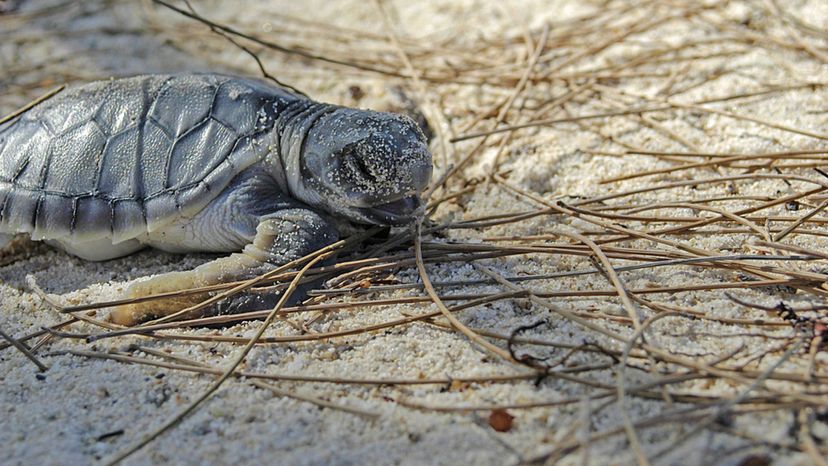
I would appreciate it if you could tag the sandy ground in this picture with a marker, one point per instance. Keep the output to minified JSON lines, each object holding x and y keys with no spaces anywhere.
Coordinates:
{"x":63,"y":415}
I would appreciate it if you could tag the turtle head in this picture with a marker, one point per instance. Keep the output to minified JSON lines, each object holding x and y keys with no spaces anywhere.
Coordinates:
{"x":370,"y":167}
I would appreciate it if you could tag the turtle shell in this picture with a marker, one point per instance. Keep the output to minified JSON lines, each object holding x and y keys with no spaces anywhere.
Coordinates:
{"x":121,"y":158}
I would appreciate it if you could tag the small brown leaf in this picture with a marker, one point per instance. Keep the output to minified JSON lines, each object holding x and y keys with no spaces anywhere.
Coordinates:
{"x":500,"y":420}
{"x":755,"y":460}
{"x":356,"y":92}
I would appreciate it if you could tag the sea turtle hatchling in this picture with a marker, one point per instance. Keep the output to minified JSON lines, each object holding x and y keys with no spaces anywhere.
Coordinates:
{"x":202,"y":162}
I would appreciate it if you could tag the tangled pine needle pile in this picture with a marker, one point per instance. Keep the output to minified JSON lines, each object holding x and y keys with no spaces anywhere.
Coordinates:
{"x":623,"y":256}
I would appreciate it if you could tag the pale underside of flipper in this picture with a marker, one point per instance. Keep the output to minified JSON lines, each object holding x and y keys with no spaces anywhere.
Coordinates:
{"x":280,"y":238}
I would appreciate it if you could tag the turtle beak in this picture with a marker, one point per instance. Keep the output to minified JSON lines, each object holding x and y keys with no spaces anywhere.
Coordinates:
{"x":399,"y":212}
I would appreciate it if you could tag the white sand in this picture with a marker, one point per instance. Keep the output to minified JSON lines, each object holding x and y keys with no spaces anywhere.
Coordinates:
{"x":59,"y":419}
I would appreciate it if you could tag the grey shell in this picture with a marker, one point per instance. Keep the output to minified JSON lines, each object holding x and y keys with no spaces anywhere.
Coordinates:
{"x":121,"y":158}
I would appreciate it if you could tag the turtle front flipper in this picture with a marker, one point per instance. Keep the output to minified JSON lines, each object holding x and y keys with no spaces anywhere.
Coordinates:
{"x":280,"y":238}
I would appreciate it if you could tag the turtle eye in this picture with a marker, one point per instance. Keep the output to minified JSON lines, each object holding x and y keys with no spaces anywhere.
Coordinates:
{"x":347,"y":151}
{"x":351,"y":157}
